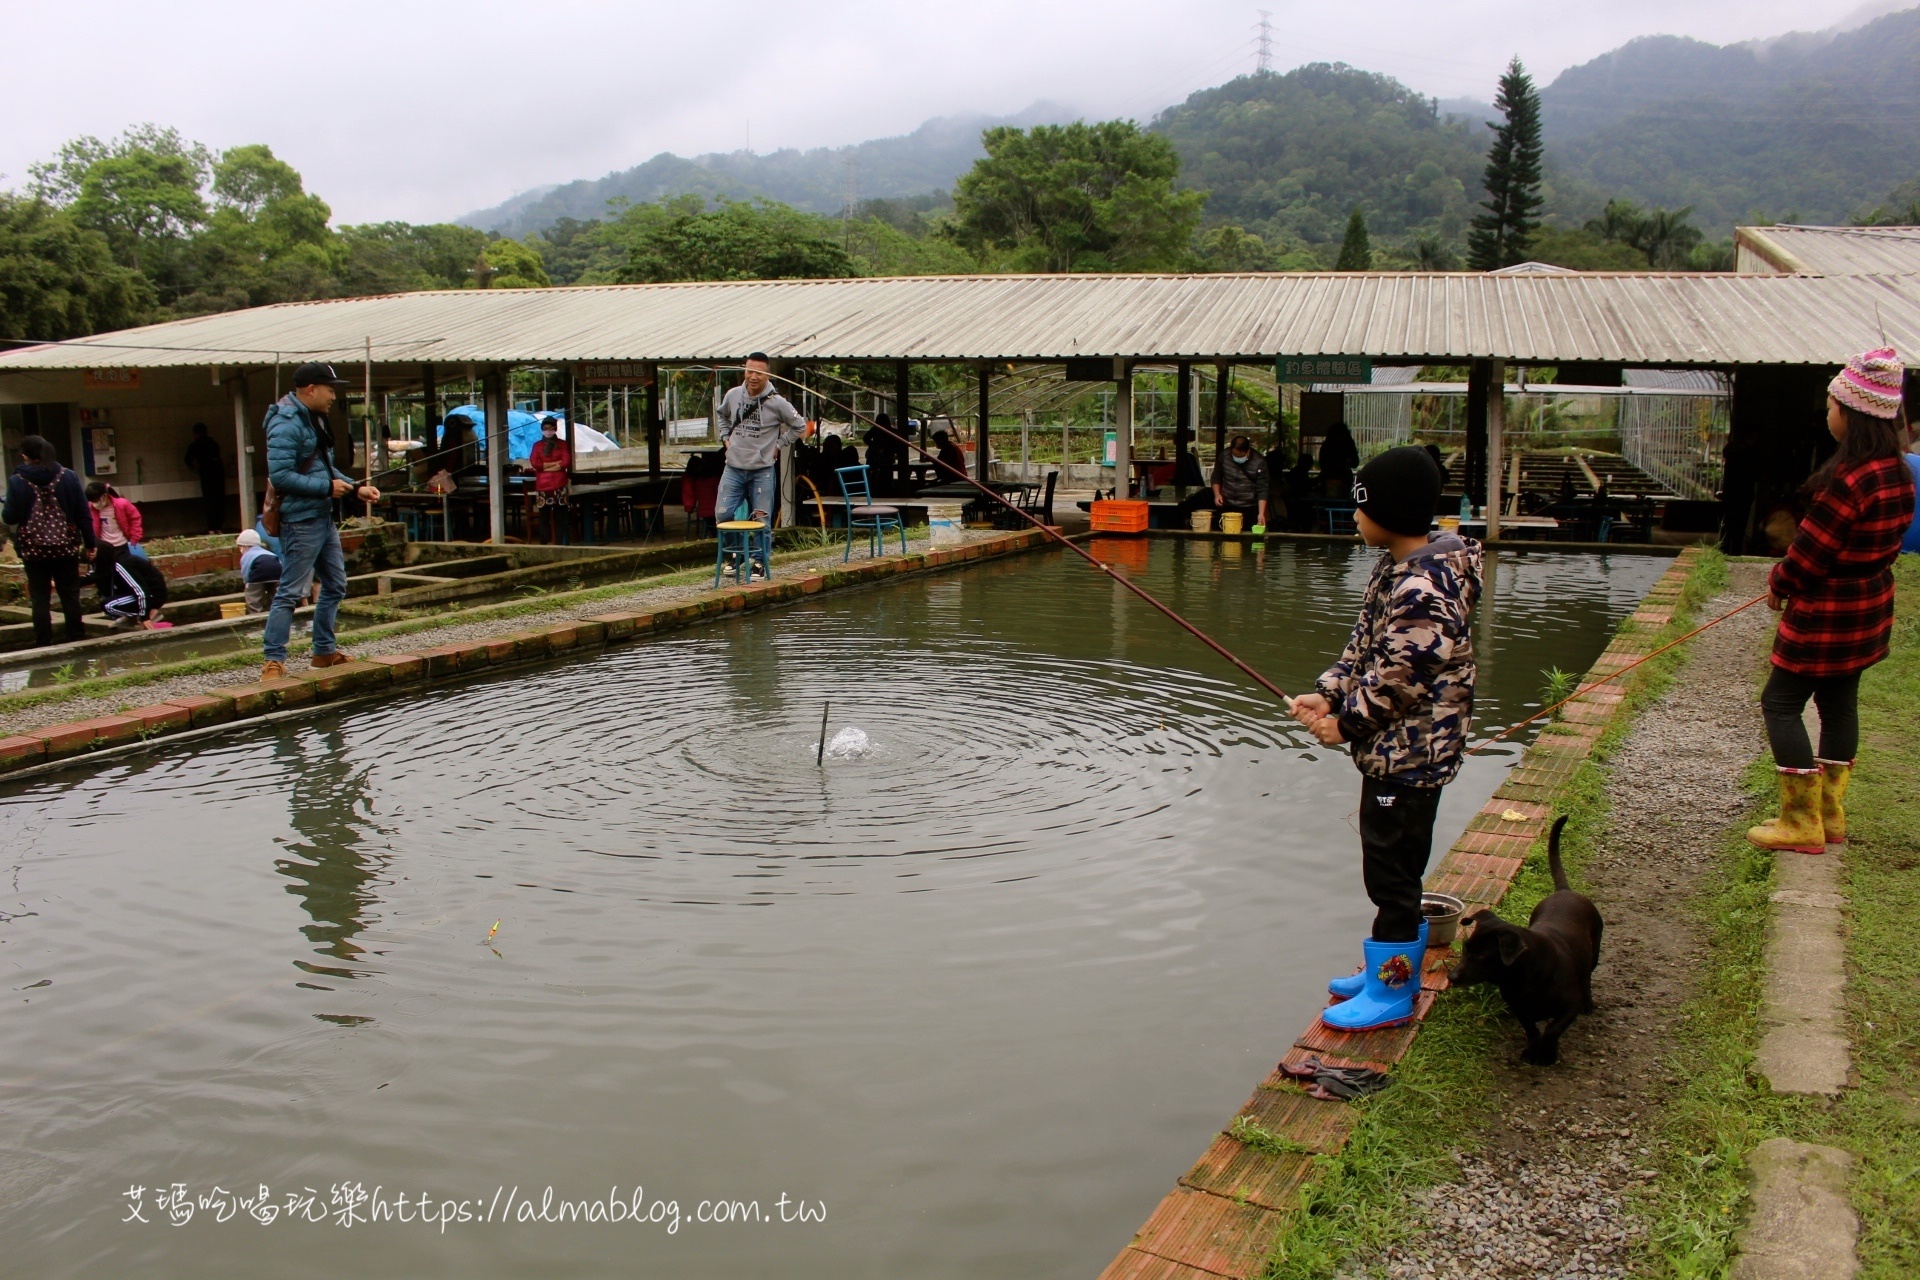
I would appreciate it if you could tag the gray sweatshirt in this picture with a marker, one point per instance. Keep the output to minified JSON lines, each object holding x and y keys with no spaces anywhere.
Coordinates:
{"x":755,"y":430}
{"x":1242,"y":483}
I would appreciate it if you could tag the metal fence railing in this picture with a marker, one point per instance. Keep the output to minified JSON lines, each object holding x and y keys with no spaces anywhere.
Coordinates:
{"x":1676,"y":439}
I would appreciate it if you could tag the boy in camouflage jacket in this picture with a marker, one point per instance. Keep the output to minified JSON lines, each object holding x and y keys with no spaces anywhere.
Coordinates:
{"x":1402,"y":696}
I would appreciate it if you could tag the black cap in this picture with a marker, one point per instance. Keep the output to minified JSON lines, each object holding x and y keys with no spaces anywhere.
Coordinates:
{"x":308,"y":375}
{"x":1399,"y":490}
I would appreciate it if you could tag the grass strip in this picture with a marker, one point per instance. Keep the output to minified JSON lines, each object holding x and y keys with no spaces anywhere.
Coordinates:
{"x":1724,"y":1108}
{"x":1357,"y":1203}
{"x":546,"y":602}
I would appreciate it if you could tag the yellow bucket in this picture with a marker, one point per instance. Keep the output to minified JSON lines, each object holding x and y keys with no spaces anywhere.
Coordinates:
{"x":1230,"y":521}
{"x":233,"y":608}
{"x":1449,"y":524}
{"x":1201,"y":521}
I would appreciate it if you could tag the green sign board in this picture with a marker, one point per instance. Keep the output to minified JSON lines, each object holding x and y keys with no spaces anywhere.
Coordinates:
{"x":1324,"y":368}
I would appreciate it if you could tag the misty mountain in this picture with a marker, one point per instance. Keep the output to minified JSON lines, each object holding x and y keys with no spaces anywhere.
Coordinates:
{"x":1810,"y":128}
{"x":926,"y":160}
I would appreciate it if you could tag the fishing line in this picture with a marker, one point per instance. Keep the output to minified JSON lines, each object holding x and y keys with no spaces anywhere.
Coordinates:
{"x":1120,"y":578}
{"x":1545,"y":711}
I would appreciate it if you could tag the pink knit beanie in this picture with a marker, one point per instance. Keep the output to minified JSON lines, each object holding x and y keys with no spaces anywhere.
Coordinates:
{"x":1870,"y":383}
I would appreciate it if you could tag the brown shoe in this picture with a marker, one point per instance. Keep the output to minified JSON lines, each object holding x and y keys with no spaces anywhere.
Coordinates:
{"x":274,"y":671}
{"x":333,"y":659}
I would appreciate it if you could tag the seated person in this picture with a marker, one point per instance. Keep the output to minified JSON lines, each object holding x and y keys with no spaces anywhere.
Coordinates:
{"x":259,"y":571}
{"x":950,"y":455}
{"x":134,"y":593}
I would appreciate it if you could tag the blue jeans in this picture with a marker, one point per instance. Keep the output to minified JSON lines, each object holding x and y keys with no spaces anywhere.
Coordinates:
{"x":307,"y":546}
{"x":755,"y":487}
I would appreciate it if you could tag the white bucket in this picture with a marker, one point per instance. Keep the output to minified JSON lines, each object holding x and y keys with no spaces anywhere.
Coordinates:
{"x":944,"y":522}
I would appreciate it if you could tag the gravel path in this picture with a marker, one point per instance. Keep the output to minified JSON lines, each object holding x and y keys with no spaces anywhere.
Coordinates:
{"x":1547,"y":1192}
{"x":83,"y":708}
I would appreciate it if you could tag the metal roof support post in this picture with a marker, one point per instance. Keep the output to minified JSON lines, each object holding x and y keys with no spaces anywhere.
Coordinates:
{"x":984,"y":446}
{"x":1474,"y":482}
{"x":430,"y":415}
{"x":496,"y":412}
{"x":1182,"y":427}
{"x":650,"y":406}
{"x":1496,"y":429}
{"x":1222,"y":385}
{"x":903,"y":400}
{"x":242,"y":451}
{"x":1123,"y":429}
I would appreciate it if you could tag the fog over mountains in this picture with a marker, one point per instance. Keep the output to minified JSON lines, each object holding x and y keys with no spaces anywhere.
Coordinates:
{"x":1811,"y":126}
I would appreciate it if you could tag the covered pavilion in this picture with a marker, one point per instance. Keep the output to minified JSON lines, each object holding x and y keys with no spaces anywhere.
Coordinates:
{"x":1777,"y":334}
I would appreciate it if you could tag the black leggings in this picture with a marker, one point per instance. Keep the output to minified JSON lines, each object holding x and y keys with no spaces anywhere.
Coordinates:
{"x":1838,"y":701}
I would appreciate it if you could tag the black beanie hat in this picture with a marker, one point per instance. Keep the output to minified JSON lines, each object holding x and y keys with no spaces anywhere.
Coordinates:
{"x":1399,"y":490}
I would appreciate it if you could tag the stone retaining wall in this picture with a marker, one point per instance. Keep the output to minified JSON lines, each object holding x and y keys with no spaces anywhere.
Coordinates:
{"x":1224,"y":1214}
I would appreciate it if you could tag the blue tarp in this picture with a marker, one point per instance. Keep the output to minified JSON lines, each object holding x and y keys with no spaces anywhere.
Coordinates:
{"x":522,"y":430}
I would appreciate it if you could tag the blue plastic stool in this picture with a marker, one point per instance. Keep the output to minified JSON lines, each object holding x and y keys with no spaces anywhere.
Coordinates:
{"x":751,"y":543}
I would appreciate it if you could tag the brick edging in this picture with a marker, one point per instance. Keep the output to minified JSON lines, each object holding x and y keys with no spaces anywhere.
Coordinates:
{"x":1223,"y":1215}
{"x":60,"y":743}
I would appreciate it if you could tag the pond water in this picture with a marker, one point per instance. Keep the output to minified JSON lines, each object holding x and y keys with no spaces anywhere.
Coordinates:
{"x":981,"y":988}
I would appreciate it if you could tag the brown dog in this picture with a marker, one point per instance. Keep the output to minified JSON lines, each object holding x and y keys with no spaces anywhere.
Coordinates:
{"x":1545,"y":970}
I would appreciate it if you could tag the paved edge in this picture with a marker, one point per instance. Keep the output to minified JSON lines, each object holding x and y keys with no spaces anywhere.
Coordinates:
{"x":1803,"y":1047}
{"x":57,"y":746}
{"x":1802,"y":1226}
{"x":1223,"y":1215}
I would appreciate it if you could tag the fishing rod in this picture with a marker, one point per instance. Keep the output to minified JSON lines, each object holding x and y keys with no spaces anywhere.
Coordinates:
{"x":1512,"y":729}
{"x":1173,"y":616}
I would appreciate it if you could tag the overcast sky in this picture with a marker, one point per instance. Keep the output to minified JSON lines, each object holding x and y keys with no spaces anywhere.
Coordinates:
{"x":423,"y":111}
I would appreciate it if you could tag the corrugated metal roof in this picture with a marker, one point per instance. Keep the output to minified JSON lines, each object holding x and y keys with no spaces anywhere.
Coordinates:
{"x":1439,"y":318}
{"x":1829,"y":251}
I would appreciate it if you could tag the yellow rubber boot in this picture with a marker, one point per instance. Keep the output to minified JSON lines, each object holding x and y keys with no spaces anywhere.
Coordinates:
{"x":1836,"y":774}
{"x":1798,"y":828}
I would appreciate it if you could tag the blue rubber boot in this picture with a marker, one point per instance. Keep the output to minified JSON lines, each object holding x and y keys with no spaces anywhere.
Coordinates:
{"x":1392,"y":982}
{"x":1354,"y":983}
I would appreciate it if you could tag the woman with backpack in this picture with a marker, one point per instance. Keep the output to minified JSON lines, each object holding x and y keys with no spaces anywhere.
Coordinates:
{"x":1835,"y":588}
{"x":53,"y":532}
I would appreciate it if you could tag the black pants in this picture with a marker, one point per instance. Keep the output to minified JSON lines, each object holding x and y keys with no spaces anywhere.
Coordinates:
{"x":43,"y":576}
{"x":213,"y":502}
{"x":1396,"y":839}
{"x":1838,"y":700}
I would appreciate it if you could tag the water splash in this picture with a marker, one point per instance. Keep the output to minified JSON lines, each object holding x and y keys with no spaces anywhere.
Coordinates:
{"x":849,"y":744}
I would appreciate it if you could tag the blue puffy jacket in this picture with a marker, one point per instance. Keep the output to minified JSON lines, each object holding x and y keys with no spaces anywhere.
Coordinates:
{"x":293,"y":438}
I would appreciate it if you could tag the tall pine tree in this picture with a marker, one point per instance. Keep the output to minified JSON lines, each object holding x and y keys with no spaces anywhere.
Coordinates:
{"x":1502,"y":235}
{"x":1356,"y":252}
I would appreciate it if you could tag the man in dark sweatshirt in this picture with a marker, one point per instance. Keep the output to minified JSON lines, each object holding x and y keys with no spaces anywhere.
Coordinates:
{"x":53,"y":531}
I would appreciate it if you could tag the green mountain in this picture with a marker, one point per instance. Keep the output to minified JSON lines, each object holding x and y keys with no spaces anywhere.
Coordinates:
{"x":1809,"y":128}
{"x":1289,"y":156}
{"x":913,"y":164}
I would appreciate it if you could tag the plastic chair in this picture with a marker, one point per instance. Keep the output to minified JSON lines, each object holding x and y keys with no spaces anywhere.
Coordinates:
{"x":697,"y":496}
{"x":749,"y":542}
{"x":1340,"y":520}
{"x":863,"y":514}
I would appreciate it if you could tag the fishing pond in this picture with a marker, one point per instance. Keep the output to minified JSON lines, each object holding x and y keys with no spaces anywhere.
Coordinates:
{"x":965,"y":998}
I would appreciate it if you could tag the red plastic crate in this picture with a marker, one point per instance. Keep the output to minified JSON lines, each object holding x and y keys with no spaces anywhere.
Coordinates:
{"x":1119,"y":515}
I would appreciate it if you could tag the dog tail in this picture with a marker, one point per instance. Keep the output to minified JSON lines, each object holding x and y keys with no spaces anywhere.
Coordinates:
{"x":1553,"y":854}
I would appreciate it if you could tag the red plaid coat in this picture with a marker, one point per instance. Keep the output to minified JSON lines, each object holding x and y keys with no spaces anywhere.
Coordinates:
{"x":1837,"y":577}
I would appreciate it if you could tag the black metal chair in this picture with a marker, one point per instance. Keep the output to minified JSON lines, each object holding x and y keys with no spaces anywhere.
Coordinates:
{"x":1040,"y":506}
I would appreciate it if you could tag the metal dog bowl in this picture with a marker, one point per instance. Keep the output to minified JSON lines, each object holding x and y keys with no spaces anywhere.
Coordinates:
{"x":1442,"y":912}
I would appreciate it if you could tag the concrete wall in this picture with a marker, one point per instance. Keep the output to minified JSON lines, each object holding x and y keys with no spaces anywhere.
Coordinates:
{"x":152,"y":425}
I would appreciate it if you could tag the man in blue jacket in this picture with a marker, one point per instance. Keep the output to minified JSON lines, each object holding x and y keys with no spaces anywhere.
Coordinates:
{"x":301,"y":470}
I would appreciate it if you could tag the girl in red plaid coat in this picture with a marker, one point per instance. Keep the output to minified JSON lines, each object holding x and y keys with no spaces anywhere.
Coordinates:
{"x":1835,"y":591}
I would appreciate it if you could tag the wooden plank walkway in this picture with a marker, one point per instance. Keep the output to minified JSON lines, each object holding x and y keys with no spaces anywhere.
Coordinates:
{"x":1223,"y":1215}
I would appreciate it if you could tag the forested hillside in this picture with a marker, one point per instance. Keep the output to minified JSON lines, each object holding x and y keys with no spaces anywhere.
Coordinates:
{"x":1289,"y":156}
{"x":1803,"y":130}
{"x":927,"y":160}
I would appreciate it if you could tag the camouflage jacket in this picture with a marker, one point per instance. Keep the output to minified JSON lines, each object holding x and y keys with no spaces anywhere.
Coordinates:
{"x":1403,"y":688}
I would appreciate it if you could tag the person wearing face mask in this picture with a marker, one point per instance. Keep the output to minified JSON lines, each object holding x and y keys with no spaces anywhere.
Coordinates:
{"x":550,"y":461}
{"x":1240,"y":483}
